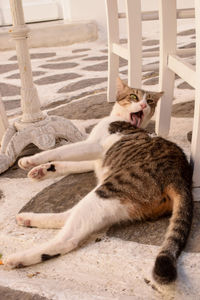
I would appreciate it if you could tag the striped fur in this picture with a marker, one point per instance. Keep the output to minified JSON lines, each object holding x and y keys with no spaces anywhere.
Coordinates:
{"x":152,"y":177}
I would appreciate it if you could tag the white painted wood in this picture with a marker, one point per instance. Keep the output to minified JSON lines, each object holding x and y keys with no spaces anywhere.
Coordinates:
{"x":185,"y":70}
{"x":195,"y":146}
{"x":167,"y":11}
{"x":113,"y":37}
{"x":133,"y":52}
{"x":34,"y":11}
{"x":3,"y":120}
{"x":120,"y":50}
{"x":186,"y":13}
{"x":134,"y":35}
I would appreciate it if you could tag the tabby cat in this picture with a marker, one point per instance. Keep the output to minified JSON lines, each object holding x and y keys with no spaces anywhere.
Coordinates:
{"x":139,"y":177}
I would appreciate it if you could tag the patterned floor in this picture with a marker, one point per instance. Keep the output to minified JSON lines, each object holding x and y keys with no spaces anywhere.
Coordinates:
{"x":71,"y":82}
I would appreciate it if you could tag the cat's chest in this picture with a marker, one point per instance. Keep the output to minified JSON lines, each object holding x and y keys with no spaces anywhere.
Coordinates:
{"x":101,"y":134}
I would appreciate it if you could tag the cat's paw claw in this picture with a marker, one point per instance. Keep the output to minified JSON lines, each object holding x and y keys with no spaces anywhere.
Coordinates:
{"x":41,"y":172}
{"x":25,"y":163}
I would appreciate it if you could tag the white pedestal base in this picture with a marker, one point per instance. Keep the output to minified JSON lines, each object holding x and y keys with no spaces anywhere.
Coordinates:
{"x":43,"y":134}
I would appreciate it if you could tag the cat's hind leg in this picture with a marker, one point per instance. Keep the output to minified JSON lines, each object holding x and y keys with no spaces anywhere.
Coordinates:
{"x":60,"y":168}
{"x":43,"y":220}
{"x":91,"y":214}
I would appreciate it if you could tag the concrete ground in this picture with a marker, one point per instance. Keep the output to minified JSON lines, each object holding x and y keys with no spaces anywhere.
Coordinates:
{"x":117,"y":262}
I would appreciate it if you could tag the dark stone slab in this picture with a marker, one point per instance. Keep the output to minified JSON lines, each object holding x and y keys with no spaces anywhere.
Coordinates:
{"x":10,"y":294}
{"x":150,"y":74}
{"x":56,"y":78}
{"x":122,"y":62}
{"x":93,"y":107}
{"x":65,"y":58}
{"x":124,"y":72}
{"x":89,"y":129}
{"x":62,"y":195}
{"x":36,"y":55}
{"x":14,"y":171}
{"x":151,"y":49}
{"x":185,"y":85}
{"x":9,"y":89}
{"x":1,"y":194}
{"x":17,"y":75}
{"x":183,"y":110}
{"x":104,"y":66}
{"x":123,"y":41}
{"x":78,"y":96}
{"x":59,"y":66}
{"x":11,"y":104}
{"x":150,"y":42}
{"x":80,"y":50}
{"x":8,"y":67}
{"x":186,"y":32}
{"x":153,"y":232}
{"x":98,"y":67}
{"x":151,"y":81}
{"x":86,"y":93}
{"x":81,"y":84}
{"x":104,"y":50}
{"x":96,"y":58}
{"x":190,"y":45}
{"x":189,"y":136}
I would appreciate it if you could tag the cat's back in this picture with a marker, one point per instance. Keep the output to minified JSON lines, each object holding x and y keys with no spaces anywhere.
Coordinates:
{"x":139,"y":151}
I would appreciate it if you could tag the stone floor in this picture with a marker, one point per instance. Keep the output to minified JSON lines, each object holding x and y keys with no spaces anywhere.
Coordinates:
{"x":115,"y":263}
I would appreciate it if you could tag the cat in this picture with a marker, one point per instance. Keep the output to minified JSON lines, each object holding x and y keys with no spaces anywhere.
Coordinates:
{"x":139,"y":177}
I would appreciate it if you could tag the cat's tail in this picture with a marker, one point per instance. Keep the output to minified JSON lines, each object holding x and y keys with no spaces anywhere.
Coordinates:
{"x":180,"y":223}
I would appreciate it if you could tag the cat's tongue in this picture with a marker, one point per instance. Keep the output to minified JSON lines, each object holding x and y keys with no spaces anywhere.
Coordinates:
{"x":135,"y":120}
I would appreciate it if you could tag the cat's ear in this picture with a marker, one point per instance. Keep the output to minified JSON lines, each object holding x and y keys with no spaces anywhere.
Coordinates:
{"x":157,"y":96}
{"x":121,"y":87}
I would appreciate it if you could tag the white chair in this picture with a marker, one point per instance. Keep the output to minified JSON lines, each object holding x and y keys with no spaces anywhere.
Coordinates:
{"x":132,"y":52}
{"x":169,"y":61}
{"x":171,"y":64}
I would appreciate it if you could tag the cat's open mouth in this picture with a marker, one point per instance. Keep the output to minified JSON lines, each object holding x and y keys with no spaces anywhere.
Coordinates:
{"x":136,"y":118}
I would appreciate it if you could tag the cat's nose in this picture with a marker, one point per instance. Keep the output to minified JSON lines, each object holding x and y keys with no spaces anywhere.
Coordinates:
{"x":143,"y":105}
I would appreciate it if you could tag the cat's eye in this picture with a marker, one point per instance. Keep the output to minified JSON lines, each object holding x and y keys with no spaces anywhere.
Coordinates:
{"x":134,"y":97}
{"x":150,"y":101}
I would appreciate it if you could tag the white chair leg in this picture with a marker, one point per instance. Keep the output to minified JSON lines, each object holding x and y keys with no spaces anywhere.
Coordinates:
{"x":134,"y":33}
{"x":195,"y":147}
{"x":167,"y":15}
{"x":113,"y":37}
{"x":3,"y":120}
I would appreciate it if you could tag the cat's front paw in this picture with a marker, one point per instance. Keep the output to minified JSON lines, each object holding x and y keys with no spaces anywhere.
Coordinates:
{"x":42,"y":172}
{"x":26,"y":163}
{"x":24,"y":219}
{"x":13,"y":261}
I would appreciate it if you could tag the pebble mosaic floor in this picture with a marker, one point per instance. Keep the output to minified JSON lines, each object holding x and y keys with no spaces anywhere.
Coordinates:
{"x":71,"y":82}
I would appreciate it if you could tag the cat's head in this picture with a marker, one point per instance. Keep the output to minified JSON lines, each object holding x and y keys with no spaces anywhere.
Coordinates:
{"x":136,"y":106}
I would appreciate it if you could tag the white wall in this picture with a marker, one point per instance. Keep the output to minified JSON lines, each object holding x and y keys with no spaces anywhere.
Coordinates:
{"x":95,"y":10}
{"x":76,"y":10}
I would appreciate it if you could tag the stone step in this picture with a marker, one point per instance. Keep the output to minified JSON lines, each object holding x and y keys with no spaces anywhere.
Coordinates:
{"x":55,"y":33}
